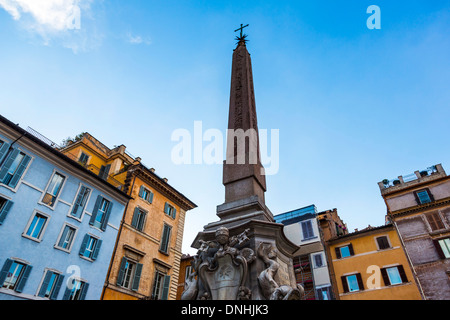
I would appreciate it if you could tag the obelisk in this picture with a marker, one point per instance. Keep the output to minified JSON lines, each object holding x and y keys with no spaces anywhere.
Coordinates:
{"x":245,"y":255}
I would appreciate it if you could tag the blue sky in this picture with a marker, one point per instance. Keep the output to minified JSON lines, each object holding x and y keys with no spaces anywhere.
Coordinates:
{"x":354,"y":106}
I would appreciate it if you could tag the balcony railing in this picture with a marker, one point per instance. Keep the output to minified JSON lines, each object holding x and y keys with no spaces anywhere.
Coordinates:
{"x":416,"y":176}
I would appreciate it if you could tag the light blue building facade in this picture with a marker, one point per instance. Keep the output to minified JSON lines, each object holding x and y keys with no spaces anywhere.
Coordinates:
{"x":58,"y":222}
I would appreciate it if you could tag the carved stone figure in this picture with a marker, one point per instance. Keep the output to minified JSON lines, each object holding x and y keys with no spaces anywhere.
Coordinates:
{"x":271,"y":290}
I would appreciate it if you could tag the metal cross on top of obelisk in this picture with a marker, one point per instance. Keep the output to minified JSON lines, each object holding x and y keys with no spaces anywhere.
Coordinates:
{"x":242,"y":35}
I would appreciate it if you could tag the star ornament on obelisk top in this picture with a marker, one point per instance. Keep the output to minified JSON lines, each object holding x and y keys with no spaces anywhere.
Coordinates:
{"x":242,"y":37}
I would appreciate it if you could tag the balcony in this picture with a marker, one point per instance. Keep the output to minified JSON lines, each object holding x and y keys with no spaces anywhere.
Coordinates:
{"x":420,"y":176}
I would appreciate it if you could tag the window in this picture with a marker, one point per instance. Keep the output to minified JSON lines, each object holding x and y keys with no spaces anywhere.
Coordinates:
{"x":423,"y":196}
{"x":104,"y":172}
{"x":443,"y":248}
{"x":53,"y":189}
{"x":170,"y":210}
{"x":5,"y":207}
{"x":307,"y":230}
{"x":161,"y":285}
{"x":146,"y":194}
{"x":83,"y":158}
{"x":51,"y":285}
{"x":76,"y":290}
{"x":383,"y":243}
{"x":165,"y":239}
{"x":80,"y":202}
{"x":90,"y":247}
{"x":14,"y":275}
{"x":4,"y":147}
{"x":394,"y":275}
{"x":187,"y":272}
{"x":138,"y":220}
{"x":101,"y":213}
{"x":352,"y":283}
{"x":318,"y":261}
{"x":13,"y":168}
{"x":129,"y":274}
{"x":345,"y":251}
{"x":36,"y":226}
{"x":66,"y":239}
{"x":435,"y":221}
{"x":324,"y":293}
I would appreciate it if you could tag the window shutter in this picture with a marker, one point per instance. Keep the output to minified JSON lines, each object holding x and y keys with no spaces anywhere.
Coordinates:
{"x":121,"y":274}
{"x":150,"y":198}
{"x":4,"y":150}
{"x":79,"y":200}
{"x":137,"y":277}
{"x":19,"y":172}
{"x":430,"y":195}
{"x":5,"y":211}
{"x":63,"y":236}
{"x":350,"y":248}
{"x":165,"y":239}
{"x":94,"y":212}
{"x":106,"y":217}
{"x":360,"y":282}
{"x":134,"y":221}
{"x":417,"y":198}
{"x":435,"y":221}
{"x":5,"y":270}
{"x":84,"y":244}
{"x":66,"y":294}
{"x":44,"y":285}
{"x":55,"y":291}
{"x":385,"y":276}
{"x":438,"y":249}
{"x":141,"y":191}
{"x":24,"y":278}
{"x":338,"y":253}
{"x":97,"y":249}
{"x":402,"y":273}
{"x":166,"y":288}
{"x":344,"y":284}
{"x":104,"y":172}
{"x":9,"y":161}
{"x":84,"y":290}
{"x":174,"y":213}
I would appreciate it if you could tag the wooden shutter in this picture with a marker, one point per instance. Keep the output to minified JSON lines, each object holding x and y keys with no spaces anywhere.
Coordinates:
{"x":150,"y":198}
{"x":55,"y":291}
{"x":350,"y":248}
{"x":137,"y":277}
{"x":6,"y":207}
{"x":5,"y":270}
{"x":166,"y":288}
{"x":134,"y":221}
{"x":385,"y":276}
{"x":3,"y":150}
{"x":23,"y":279}
{"x":19,"y":172}
{"x":402,"y":273}
{"x":84,"y":290}
{"x":121,"y":273}
{"x":166,"y":208}
{"x":79,"y":201}
{"x":106,"y":216}
{"x":9,"y":161}
{"x":165,"y":239}
{"x":95,"y":211}
{"x":174,"y":213}
{"x":66,"y":294}
{"x":435,"y":221}
{"x":338,"y":253}
{"x":345,"y":284}
{"x":98,"y":245}
{"x":84,"y":244}
{"x":360,"y":282}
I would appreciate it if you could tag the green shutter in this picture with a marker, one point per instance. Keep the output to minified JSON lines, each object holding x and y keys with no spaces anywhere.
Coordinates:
{"x":150,"y":198}
{"x":9,"y":161}
{"x":94,"y":212}
{"x":19,"y":172}
{"x":97,"y":249}
{"x":174,"y":213}
{"x":3,"y":150}
{"x":23,"y":278}
{"x":165,"y":239}
{"x":43,"y":289}
{"x":121,"y":274}
{"x":79,"y":200}
{"x":5,"y":270}
{"x":84,"y":244}
{"x":141,"y":191}
{"x":135,"y":218}
{"x":57,"y":287}
{"x":166,"y":288}
{"x":166,"y":208}
{"x":6,"y":207}
{"x":106,"y":216}
{"x":137,"y":277}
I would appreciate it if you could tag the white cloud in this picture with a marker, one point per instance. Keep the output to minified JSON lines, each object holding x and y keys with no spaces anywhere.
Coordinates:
{"x":136,"y":39}
{"x":58,"y":20}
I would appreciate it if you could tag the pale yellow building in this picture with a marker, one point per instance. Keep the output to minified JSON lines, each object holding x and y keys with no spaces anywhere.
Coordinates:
{"x":146,"y":261}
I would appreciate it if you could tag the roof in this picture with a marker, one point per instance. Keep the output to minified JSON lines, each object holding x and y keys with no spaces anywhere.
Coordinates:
{"x":60,"y":155}
{"x":369,"y":229}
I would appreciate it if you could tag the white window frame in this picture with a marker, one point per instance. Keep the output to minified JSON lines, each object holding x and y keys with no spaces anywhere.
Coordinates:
{"x":41,"y":202}
{"x":388,"y":239}
{"x":39,"y":239}
{"x":69,"y":249}
{"x":59,"y":273}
